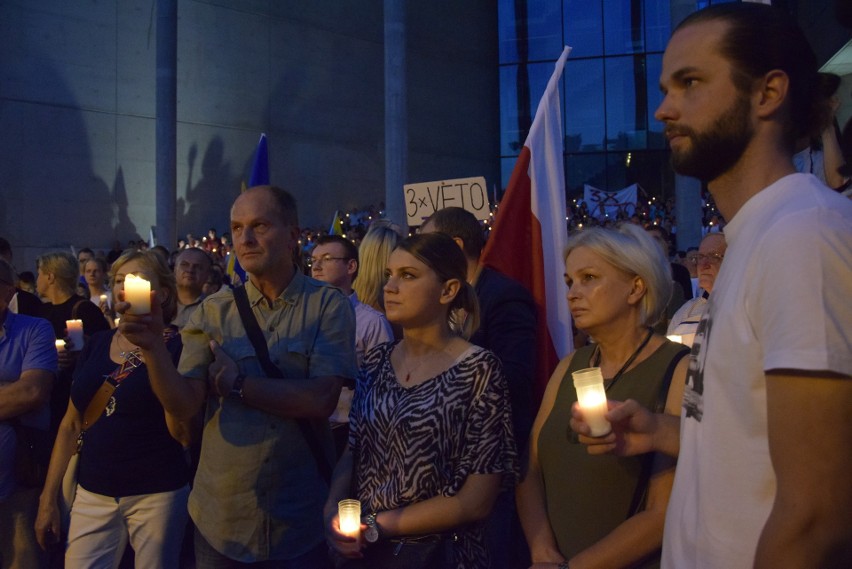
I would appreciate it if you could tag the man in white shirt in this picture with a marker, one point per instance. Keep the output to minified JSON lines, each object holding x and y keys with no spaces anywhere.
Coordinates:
{"x":763,"y":440}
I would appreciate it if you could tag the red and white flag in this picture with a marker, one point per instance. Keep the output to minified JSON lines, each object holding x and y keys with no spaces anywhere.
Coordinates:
{"x":530,"y":231}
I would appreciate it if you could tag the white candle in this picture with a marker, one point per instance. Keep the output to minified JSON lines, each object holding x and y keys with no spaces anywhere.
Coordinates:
{"x":75,"y":334}
{"x":103,"y":299}
{"x":60,"y":345}
{"x":137,"y":291}
{"x":591,"y":397}
{"x":349,"y":515}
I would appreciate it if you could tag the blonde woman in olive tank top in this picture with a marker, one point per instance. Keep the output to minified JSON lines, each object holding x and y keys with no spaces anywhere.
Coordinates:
{"x":581,"y":510}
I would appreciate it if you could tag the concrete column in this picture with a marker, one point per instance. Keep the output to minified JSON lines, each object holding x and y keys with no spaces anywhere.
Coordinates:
{"x":396,"y":113}
{"x":687,"y":211}
{"x":166,"y":129}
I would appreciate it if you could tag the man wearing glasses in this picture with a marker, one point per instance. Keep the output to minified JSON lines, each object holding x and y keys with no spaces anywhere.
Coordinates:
{"x":334,"y":260}
{"x":708,"y":259}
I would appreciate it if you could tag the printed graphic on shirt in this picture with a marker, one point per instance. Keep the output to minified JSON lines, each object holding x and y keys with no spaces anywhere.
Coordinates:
{"x":693,"y":394}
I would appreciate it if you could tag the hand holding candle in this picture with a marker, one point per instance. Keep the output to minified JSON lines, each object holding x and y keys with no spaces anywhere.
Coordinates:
{"x":349,"y":516}
{"x":137,"y":291}
{"x":591,"y":397}
{"x":75,"y":334}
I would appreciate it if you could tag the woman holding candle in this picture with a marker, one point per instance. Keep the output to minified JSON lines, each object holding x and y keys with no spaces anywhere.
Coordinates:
{"x":133,"y":475}
{"x":430,"y":443}
{"x":576,"y":509}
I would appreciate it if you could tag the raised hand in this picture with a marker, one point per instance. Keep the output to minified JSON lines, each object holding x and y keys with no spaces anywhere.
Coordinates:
{"x":633,"y":429}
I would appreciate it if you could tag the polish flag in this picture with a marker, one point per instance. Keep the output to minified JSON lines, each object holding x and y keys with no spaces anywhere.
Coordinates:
{"x":530,"y":231}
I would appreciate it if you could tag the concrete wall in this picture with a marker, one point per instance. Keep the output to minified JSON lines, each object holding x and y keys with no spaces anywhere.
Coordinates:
{"x":77,"y":105}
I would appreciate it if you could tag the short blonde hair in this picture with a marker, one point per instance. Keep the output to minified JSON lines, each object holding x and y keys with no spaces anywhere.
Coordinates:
{"x":631,"y":249}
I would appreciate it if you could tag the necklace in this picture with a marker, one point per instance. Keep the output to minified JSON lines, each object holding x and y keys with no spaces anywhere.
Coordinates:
{"x":418,"y":362}
{"x":596,"y":358}
{"x":412,"y":368}
{"x":131,"y":354}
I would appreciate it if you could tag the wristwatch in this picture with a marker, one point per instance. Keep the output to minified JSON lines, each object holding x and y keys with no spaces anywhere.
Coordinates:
{"x":237,"y":388}
{"x":373,"y":532}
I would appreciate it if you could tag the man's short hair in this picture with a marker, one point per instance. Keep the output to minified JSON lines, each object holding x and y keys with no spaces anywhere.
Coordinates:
{"x":201,"y":252}
{"x":285,"y":201}
{"x":349,"y":248}
{"x":458,"y":222}
{"x":761,"y":38}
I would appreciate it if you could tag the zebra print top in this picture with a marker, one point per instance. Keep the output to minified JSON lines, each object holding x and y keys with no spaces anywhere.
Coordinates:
{"x":414,"y":443}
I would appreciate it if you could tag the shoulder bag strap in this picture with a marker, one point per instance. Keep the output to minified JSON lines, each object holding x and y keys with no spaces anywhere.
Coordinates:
{"x":255,"y":335}
{"x":641,"y":492}
{"x":100,"y":400}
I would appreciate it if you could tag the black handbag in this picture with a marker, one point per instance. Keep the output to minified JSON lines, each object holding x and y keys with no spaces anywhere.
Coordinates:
{"x":433,"y":551}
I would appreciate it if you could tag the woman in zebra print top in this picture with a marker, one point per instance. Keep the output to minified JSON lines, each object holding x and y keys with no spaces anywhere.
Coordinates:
{"x":430,"y":442}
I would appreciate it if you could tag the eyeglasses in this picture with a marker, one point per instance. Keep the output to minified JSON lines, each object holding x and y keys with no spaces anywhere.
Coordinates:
{"x":712,"y":258}
{"x":326,"y":258}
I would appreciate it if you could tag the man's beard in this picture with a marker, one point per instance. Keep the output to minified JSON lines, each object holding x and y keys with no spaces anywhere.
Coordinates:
{"x":718,"y":149}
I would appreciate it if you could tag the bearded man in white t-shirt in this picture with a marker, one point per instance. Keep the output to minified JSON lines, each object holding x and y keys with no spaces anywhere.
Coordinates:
{"x":764,"y":439}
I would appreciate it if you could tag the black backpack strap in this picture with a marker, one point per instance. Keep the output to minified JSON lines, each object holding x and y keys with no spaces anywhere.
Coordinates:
{"x":255,"y":335}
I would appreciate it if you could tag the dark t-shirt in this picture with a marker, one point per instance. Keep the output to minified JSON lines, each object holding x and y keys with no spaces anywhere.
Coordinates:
{"x":28,"y":303}
{"x":128,"y":451}
{"x":92,"y":317}
{"x":93,"y":321}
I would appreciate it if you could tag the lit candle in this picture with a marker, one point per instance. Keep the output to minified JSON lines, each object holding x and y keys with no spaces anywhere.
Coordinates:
{"x":103,"y":299}
{"x":60,"y":345}
{"x":349,"y":515}
{"x":137,"y":291}
{"x":75,"y":334}
{"x":675,"y":338}
{"x":591,"y":397}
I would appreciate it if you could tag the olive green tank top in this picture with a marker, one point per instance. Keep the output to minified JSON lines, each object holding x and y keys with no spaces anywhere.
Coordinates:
{"x":588,"y":496}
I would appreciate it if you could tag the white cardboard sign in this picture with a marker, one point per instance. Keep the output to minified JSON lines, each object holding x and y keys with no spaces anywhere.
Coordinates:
{"x":424,"y":199}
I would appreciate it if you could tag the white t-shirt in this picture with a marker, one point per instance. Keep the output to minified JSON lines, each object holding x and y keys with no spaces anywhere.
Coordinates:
{"x":780,"y":301}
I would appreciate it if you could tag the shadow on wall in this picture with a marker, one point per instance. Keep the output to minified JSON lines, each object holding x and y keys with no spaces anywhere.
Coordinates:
{"x":50,"y":195}
{"x":124,"y":228}
{"x":207,"y":203}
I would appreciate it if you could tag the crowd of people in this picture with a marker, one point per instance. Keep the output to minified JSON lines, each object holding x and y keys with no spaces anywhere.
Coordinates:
{"x":218,"y":423}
